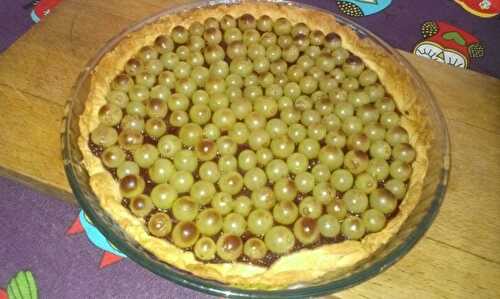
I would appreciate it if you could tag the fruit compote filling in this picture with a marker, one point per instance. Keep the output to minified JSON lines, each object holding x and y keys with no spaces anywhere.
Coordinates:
{"x":244,"y":139}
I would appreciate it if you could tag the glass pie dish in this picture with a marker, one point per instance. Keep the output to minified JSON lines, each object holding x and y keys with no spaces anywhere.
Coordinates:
{"x":417,"y":222}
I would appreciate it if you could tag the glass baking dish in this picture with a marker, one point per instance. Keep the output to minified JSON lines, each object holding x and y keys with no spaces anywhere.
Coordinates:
{"x":434,"y":185}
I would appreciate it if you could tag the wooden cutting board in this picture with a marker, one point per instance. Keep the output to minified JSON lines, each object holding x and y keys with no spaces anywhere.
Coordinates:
{"x":459,"y":256}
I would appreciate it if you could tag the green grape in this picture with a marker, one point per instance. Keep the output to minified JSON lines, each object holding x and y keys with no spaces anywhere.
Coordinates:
{"x":110,"y":115}
{"x":209,"y":222}
{"x":178,"y":118}
{"x":206,"y":150}
{"x":336,"y":139}
{"x":232,"y":35}
{"x":360,"y":142}
{"x":255,"y":249}
{"x":181,"y":181}
{"x":310,"y":207}
{"x":231,"y":182}
{"x":396,"y":135}
{"x":378,"y":169}
{"x":200,"y":114}
{"x":159,"y":224}
{"x":234,"y":224}
{"x":185,"y":160}
{"x":285,"y":212}
{"x":380,"y":149}
{"x":179,"y":34}
{"x":247,"y":21}
{"x":304,"y":182}
{"x":106,"y":136}
{"x":247,"y":160}
{"x":252,"y":92}
{"x":213,"y":53}
{"x":131,"y":122}
{"x":385,"y":104}
{"x":209,"y":171}
{"x":255,"y":121}
{"x":127,"y":168}
{"x":190,"y":134}
{"x":389,"y":119}
{"x":199,"y":74}
{"x":185,"y":234}
{"x":310,"y":117}
{"x":340,"y":55}
{"x":355,"y":201}
{"x":324,"y":193}
{"x":242,"y":205}
{"x":285,"y":189}
{"x":342,"y":180}
{"x":263,"y":198}
{"x":374,"y":220}
{"x":226,"y":146}
{"x":118,"y":98}
{"x":306,"y":230}
{"x":320,"y":172}
{"x":396,"y":187}
{"x":404,"y":152}
{"x":383,"y":200}
{"x":169,"y":145}
{"x":128,"y":139}
{"x":266,"y":106}
{"x":279,"y":240}
{"x":282,"y":146}
{"x":309,"y":147}
{"x":352,"y":125}
{"x":212,"y":36}
{"x":229,"y":247}
{"x":276,"y":169}
{"x":113,"y":157}
{"x":185,"y":209}
{"x":297,"y":132}
{"x":365,"y":182}
{"x":344,"y":110}
{"x":145,"y":155}
{"x":338,"y":96}
{"x":196,"y":44}
{"x":163,"y":196}
{"x":358,"y":98}
{"x":241,"y":108}
{"x":297,"y":163}
{"x":353,"y":228}
{"x":155,"y":127}
{"x":374,"y":131}
{"x":211,"y":22}
{"x":196,"y":29}
{"x":331,"y":156}
{"x":264,"y":156}
{"x":122,"y":82}
{"x":167,"y":79}
{"x":161,"y":171}
{"x":356,"y":161}
{"x":337,"y":208}
{"x":259,"y":138}
{"x":141,"y":205}
{"x":211,"y":132}
{"x":183,"y":52}
{"x":145,"y":79}
{"x":227,"y":163}
{"x":185,"y":86}
{"x":178,"y":102}
{"x":255,"y":179}
{"x":259,"y":221}
{"x":133,"y":67}
{"x":222,"y":202}
{"x":367,"y":113}
{"x":328,"y":226}
{"x":202,"y":192}
{"x":205,"y":249}
{"x":316,"y":131}
{"x":324,"y":106}
{"x":400,"y":170}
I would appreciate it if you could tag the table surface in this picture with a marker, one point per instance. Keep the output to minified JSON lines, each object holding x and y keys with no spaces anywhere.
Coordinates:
{"x":459,"y":255}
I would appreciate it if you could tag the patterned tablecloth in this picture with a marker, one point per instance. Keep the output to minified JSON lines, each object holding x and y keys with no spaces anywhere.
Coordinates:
{"x":49,"y":249}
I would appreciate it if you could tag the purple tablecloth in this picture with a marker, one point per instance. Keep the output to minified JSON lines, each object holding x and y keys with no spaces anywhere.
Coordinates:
{"x":68,"y":258}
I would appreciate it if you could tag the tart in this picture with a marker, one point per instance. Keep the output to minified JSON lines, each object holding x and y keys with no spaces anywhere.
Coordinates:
{"x":256,"y":144}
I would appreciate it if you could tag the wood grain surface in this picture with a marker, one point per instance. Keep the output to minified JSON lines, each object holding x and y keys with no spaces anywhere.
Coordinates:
{"x":458,"y":258}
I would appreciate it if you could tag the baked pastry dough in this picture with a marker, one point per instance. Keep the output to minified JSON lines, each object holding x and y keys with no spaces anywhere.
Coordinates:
{"x":301,"y":266}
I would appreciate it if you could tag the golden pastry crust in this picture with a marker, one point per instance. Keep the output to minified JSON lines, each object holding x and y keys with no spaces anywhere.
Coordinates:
{"x":301,"y":266}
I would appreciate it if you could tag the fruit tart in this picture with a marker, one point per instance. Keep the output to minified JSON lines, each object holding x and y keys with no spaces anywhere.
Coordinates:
{"x":256,"y":144}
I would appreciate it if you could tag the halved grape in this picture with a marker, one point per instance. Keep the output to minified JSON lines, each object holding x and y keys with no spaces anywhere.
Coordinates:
{"x":306,"y":230}
{"x":185,"y":209}
{"x":159,"y":224}
{"x":185,"y":234}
